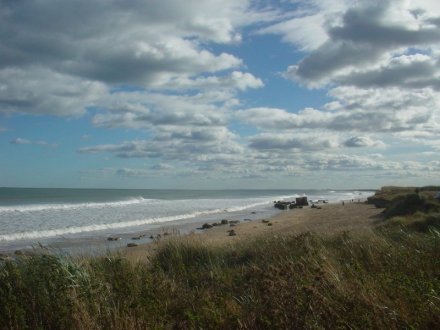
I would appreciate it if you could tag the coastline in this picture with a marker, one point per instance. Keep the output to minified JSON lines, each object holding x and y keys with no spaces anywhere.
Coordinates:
{"x":248,"y":223}
{"x":330,"y":218}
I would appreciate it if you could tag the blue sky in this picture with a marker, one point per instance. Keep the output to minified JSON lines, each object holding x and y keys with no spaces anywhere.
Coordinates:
{"x":219,"y":94}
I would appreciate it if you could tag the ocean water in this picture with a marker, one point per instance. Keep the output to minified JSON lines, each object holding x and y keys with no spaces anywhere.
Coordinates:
{"x":31,"y":216}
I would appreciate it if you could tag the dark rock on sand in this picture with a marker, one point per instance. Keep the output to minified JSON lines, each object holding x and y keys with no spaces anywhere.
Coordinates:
{"x":113,"y":238}
{"x":281,"y":205}
{"x":224,"y":222}
{"x":206,"y":226}
{"x":131,"y":245}
{"x":232,"y":232}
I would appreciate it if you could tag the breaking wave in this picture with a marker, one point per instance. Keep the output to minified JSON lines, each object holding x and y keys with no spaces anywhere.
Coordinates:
{"x":72,"y":206}
{"x":118,"y":225}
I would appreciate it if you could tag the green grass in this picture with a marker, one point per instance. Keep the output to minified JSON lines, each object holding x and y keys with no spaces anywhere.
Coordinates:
{"x":386,"y":279}
{"x":416,"y":209}
{"x":390,"y":279}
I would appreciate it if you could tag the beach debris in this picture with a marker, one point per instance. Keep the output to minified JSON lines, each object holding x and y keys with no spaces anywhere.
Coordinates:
{"x":113,"y":238}
{"x":265,"y":221}
{"x":132,"y":244}
{"x":224,"y":222}
{"x":232,"y":232}
{"x":269,"y":224}
{"x":206,"y":226}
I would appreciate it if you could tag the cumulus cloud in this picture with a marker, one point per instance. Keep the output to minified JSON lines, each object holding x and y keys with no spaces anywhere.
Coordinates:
{"x":141,"y":39}
{"x":175,"y":145}
{"x":355,"y":109}
{"x":235,"y":80}
{"x":366,"y":42}
{"x":132,"y":172}
{"x":157,"y":67}
{"x":37,"y":90}
{"x":306,"y":26}
{"x":62,"y":59}
{"x":362,"y":141}
{"x":290,"y":142}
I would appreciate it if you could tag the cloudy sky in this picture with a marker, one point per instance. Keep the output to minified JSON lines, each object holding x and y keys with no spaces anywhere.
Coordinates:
{"x":219,"y":94}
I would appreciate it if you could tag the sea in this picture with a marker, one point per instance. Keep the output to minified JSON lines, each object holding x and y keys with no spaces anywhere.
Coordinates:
{"x":81,"y":220}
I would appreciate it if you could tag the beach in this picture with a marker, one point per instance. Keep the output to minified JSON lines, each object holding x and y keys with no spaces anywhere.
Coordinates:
{"x":95,"y":221}
{"x":327,"y":219}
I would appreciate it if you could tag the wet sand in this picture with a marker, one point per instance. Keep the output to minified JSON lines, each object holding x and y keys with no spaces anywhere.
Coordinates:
{"x":330,"y":218}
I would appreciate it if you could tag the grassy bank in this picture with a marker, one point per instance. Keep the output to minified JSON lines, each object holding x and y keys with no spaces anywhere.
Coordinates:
{"x":386,"y":279}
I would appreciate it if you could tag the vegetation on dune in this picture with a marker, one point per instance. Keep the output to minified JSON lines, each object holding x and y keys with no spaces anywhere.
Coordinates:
{"x":416,"y":208}
{"x":386,"y":279}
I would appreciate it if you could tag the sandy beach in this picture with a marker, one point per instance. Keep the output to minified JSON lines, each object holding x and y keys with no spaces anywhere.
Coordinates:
{"x":329,"y":218}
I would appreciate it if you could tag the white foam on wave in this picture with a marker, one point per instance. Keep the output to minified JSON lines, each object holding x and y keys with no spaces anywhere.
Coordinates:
{"x":70,"y":206}
{"x":118,"y":225}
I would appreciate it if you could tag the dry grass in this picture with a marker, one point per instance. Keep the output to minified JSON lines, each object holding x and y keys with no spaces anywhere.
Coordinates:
{"x":388,"y":278}
{"x":385,"y":280}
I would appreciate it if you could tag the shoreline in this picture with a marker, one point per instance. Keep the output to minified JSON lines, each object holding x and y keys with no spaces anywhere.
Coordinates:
{"x":246,"y":225}
{"x":330,"y":218}
{"x":100,"y":243}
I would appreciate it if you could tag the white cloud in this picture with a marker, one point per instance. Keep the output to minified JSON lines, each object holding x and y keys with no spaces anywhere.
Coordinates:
{"x":157,"y":67}
{"x":20,"y":141}
{"x":235,"y":80}
{"x":292,"y":142}
{"x":181,"y":144}
{"x":90,"y":37}
{"x":362,"y":141}
{"x":26,"y":141}
{"x":60,"y":59}
{"x":356,"y":109}
{"x":364,"y":47}
{"x":36,"y":90}
{"x":306,"y":26}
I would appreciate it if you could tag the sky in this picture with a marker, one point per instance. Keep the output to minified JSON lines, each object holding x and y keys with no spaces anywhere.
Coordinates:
{"x":230,"y":94}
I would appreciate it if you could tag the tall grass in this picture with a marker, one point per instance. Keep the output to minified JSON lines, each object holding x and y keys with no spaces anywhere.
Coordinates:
{"x":389,"y":279}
